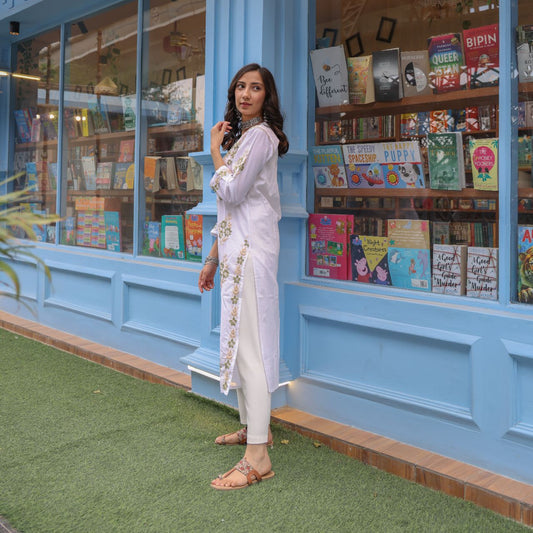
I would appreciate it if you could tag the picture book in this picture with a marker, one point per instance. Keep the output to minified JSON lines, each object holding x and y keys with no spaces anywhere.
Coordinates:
{"x":449,"y":269}
{"x":126,"y":151}
{"x":329,"y":245}
{"x":104,"y":175}
{"x":482,"y":273}
{"x":52,"y":176}
{"x":43,"y":176}
{"x":32,"y":183}
{"x":193,"y":237}
{"x":36,"y":129}
{"x":151,"y":173}
{"x":123,"y":176}
{"x":87,"y":126}
{"x":407,"y":233}
{"x":524,"y":151}
{"x":152,"y":239}
{"x":386,"y":72}
{"x":23,"y":125}
{"x":440,"y":121}
{"x":410,"y":268}
{"x":482,"y":57}
{"x":446,"y":62}
{"x":128,"y":111}
{"x":69,"y":231}
{"x":328,"y":166}
{"x":524,"y":52}
{"x":89,"y":172}
{"x":172,"y":238}
{"x":415,"y":72}
{"x":472,"y":118}
{"x":440,"y":232}
{"x":179,"y":101}
{"x":360,"y":80}
{"x":369,"y":259}
{"x":112,"y":231}
{"x":408,"y":124}
{"x":362,"y":163}
{"x":446,"y":161}
{"x":525,"y":264}
{"x":330,"y":73}
{"x":401,"y":165}
{"x":484,"y":158}
{"x":98,"y":111}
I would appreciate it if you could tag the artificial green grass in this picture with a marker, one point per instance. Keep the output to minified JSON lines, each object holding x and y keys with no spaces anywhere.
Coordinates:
{"x":86,"y":449}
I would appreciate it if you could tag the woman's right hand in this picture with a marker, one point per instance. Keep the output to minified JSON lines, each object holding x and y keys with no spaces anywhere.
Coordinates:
{"x":217,"y":134}
{"x":206,"y":281}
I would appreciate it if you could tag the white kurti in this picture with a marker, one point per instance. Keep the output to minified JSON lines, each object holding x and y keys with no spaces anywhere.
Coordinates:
{"x":248,"y":212}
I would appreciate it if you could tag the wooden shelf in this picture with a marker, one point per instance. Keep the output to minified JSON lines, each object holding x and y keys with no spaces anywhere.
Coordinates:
{"x":411,"y":193}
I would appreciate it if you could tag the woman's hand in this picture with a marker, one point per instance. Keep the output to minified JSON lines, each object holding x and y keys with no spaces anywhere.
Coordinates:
{"x":206,"y":281}
{"x":217,"y":135}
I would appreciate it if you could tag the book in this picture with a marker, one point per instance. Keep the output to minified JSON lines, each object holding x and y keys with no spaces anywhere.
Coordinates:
{"x":362,"y":164}
{"x":440,"y":232}
{"x":410,"y":268}
{"x":482,"y":57}
{"x":126,"y":150}
{"x":32,"y":183}
{"x":168,"y":173}
{"x":525,"y":264}
{"x":152,"y":239}
{"x":328,"y":166}
{"x":112,"y":231}
{"x":35,"y":129}
{"x":123,"y":175}
{"x":69,"y":231}
{"x":449,"y":269}
{"x":173,"y":243}
{"x":151,"y":173}
{"x":129,"y":111}
{"x":193,"y":237}
{"x":22,"y":125}
{"x":440,"y":121}
{"x":89,"y":172}
{"x":386,"y":73}
{"x":446,"y":62}
{"x":484,"y":158}
{"x":99,"y":114}
{"x":369,"y":259}
{"x":77,"y":175}
{"x":408,"y":233}
{"x":401,"y":165}
{"x":524,"y":52}
{"x":104,"y":175}
{"x":408,"y":124}
{"x":179,"y":101}
{"x":329,"y":245}
{"x":52,"y":176}
{"x":415,"y":72}
{"x":360,"y":80}
{"x":446,"y":161}
{"x":330,"y":73}
{"x":482,"y":273}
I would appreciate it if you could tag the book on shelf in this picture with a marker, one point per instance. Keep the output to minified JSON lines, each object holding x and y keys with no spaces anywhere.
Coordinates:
{"x":43,"y":176}
{"x":77,"y":179}
{"x":449,"y":269}
{"x":484,"y":158}
{"x":179,"y":101}
{"x":402,"y":165}
{"x":189,"y":174}
{"x":112,"y":231}
{"x":524,"y":151}
{"x":52,"y":176}
{"x":152,"y":172}
{"x":446,"y":62}
{"x":32,"y":183}
{"x":441,"y":120}
{"x":330,"y":73}
{"x":525,"y":264}
{"x":68,"y":235}
{"x":104,"y":175}
{"x":23,"y":125}
{"x":90,"y":229}
{"x":408,"y":124}
{"x":482,"y":57}
{"x":360,"y":80}
{"x":415,"y":72}
{"x":35,"y":130}
{"x":408,"y":233}
{"x":482,"y":272}
{"x":524,"y":52}
{"x":369,"y":259}
{"x":129,"y":103}
{"x":446,"y":161}
{"x":123,"y":176}
{"x":386,"y":73}
{"x":168,"y":179}
{"x":173,"y":243}
{"x":472,"y":118}
{"x":328,"y":166}
{"x":193,"y":237}
{"x":99,"y":114}
{"x":49,"y":126}
{"x":410,"y":268}
{"x":329,"y":245}
{"x":126,"y":150}
{"x":152,"y":239}
{"x":89,"y":172}
{"x":362,"y":164}
{"x":440,"y":232}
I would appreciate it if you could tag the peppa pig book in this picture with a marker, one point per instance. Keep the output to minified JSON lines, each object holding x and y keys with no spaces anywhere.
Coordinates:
{"x":369,"y":259}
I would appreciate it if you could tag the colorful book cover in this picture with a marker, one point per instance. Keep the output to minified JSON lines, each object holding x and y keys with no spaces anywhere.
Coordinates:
{"x":151,"y":173}
{"x":99,"y":114}
{"x":112,"y":231}
{"x":525,"y":264}
{"x":410,"y":268}
{"x":127,"y":150}
{"x":89,"y":171}
{"x":173,"y":242}
{"x":360,"y":81}
{"x":484,"y":158}
{"x":386,"y":72}
{"x":179,"y":101}
{"x":446,"y":161}
{"x":328,"y":166}
{"x":407,"y":233}
{"x":69,"y":231}
{"x":446,"y":62}
{"x":524,"y":52}
{"x":36,"y":129}
{"x":329,"y":245}
{"x":128,"y":111}
{"x":482,"y":273}
{"x":104,"y":175}
{"x":120,"y":175}
{"x":415,"y":72}
{"x":23,"y":127}
{"x":52,"y":176}
{"x":370,"y":259}
{"x":408,"y":124}
{"x":331,"y":76}
{"x":482,"y":56}
{"x":362,"y":163}
{"x":32,"y":183}
{"x":152,"y":239}
{"x":402,"y":165}
{"x":449,"y":269}
{"x":440,"y":121}
{"x":193,"y":237}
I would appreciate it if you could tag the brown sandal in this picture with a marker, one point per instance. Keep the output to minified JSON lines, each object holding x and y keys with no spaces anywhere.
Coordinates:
{"x":247,"y":470}
{"x":241,"y":439}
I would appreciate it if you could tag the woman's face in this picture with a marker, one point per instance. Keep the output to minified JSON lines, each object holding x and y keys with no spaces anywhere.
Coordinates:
{"x":250,"y":95}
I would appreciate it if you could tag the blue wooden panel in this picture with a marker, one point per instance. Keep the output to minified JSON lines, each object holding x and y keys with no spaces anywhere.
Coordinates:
{"x":28,"y":279}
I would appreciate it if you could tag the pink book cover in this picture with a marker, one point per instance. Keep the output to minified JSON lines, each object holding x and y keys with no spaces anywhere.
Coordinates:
{"x":329,"y":255}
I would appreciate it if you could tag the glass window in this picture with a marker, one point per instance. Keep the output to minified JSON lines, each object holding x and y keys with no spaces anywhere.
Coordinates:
{"x":404,"y":161}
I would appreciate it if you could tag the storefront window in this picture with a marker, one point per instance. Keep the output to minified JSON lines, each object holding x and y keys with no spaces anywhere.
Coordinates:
{"x":406,"y":143}
{"x":35,"y":115}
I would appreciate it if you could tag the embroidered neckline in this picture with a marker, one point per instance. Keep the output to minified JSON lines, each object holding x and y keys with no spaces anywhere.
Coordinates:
{"x":247,"y":124}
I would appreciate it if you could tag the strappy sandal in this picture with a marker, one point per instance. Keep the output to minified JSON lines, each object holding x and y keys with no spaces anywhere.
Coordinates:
{"x":247,"y":470}
{"x":241,"y":439}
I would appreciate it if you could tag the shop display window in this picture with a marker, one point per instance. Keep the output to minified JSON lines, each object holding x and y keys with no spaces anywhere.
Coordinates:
{"x":405,"y":157}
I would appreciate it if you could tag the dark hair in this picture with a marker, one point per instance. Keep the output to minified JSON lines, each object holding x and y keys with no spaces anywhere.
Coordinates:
{"x":271,"y":112}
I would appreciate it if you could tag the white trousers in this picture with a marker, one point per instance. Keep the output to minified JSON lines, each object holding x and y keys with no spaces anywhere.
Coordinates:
{"x":253,"y":396}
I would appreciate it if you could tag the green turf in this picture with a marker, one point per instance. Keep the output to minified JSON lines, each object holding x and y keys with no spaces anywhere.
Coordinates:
{"x":86,"y":449}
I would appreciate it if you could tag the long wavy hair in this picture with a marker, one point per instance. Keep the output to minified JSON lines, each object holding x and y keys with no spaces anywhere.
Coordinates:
{"x":271,"y":111}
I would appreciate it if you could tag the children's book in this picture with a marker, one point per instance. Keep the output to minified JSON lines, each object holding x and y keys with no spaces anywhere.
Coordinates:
{"x":123,"y":175}
{"x":408,"y":124}
{"x":52,"y":176}
{"x":525,"y":264}
{"x":32,"y":182}
{"x":330,"y":73}
{"x":329,"y":245}
{"x":151,"y":173}
{"x":484,"y":158}
{"x":99,"y":114}
{"x":369,"y":259}
{"x":128,"y":111}
{"x":386,"y":72}
{"x":449,"y":269}
{"x":440,"y":232}
{"x":415,"y":72}
{"x":401,"y":165}
{"x":524,"y":52}
{"x":193,"y":237}
{"x":446,"y":161}
{"x":410,"y":268}
{"x":173,"y":242}
{"x":407,"y":233}
{"x":360,"y":80}
{"x":446,"y":62}
{"x":152,"y":239}
{"x":104,"y":175}
{"x":89,"y":171}
{"x":179,"y":101}
{"x":112,"y":230}
{"x":127,"y":150}
{"x":482,"y":273}
{"x":482,"y":56}
{"x":69,"y":231}
{"x":362,"y":163}
{"x":328,"y":166}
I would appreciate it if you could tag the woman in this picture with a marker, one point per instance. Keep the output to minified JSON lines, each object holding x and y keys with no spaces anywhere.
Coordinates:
{"x":247,"y":247}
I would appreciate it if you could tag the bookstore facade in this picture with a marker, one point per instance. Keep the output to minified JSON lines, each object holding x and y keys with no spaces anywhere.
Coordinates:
{"x":406,"y":264}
